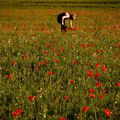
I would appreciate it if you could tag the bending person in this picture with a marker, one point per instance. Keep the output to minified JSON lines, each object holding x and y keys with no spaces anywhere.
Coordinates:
{"x":62,"y":17}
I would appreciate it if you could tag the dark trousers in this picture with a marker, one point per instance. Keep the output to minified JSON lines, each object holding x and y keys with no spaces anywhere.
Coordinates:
{"x":59,"y":20}
{"x":63,"y":28}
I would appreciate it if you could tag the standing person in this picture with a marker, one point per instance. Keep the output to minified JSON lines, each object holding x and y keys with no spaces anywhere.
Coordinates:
{"x":62,"y":17}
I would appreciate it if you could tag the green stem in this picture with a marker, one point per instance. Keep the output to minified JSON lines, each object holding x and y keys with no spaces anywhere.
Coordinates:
{"x":94,"y":110}
{"x":95,"y":114}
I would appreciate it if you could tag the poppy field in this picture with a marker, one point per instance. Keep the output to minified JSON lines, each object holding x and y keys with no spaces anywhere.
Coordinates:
{"x":47,"y":74}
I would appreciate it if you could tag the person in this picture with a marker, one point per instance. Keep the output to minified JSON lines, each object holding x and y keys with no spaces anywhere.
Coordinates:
{"x":62,"y":17}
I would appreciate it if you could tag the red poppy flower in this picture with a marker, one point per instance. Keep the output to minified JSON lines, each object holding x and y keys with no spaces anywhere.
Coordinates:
{"x":36,"y":68}
{"x":46,"y":61}
{"x":97,"y":65}
{"x":75,"y":62}
{"x":45,"y":52}
{"x":61,"y":48}
{"x":62,"y":118}
{"x":58,"y":53}
{"x":31,"y":98}
{"x":104,"y":68}
{"x":107,"y":112}
{"x":89,"y":72}
{"x":92,"y":45}
{"x":18,"y":112}
{"x":85,"y":109}
{"x":118,"y":84}
{"x":72,"y":81}
{"x":9,"y":76}
{"x":53,"y":48}
{"x":66,"y":97}
{"x":100,"y":96}
{"x":97,"y":74}
{"x":40,"y":63}
{"x":57,"y":60}
{"x":50,"y":73}
{"x":75,"y":28}
{"x":83,"y":46}
{"x":104,"y":91}
{"x":91,"y":90}
{"x":98,"y":84}
{"x":92,"y":95}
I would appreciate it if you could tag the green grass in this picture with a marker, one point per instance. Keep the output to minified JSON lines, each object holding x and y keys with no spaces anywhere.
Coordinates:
{"x":37,"y":59}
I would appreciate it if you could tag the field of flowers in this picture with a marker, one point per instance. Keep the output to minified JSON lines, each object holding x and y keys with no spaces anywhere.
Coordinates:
{"x":47,"y":74}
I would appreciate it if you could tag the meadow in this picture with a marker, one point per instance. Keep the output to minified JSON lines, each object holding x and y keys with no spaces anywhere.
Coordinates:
{"x":47,"y":74}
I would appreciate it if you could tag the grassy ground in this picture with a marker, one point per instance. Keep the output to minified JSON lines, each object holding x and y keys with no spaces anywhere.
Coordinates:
{"x":50,"y":75}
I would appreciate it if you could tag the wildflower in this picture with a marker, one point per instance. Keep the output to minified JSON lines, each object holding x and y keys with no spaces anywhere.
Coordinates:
{"x":83,"y":46}
{"x":40,"y":63}
{"x":91,"y":90}
{"x":72,"y":81}
{"x":36,"y":68}
{"x":66,"y":97}
{"x":97,"y":65}
{"x":18,"y":112}
{"x":45,"y":52}
{"x":61,"y":48}
{"x":92,"y":45}
{"x":58,"y":53}
{"x":104,"y":91}
{"x":98,"y":84}
{"x":9,"y":76}
{"x":85,"y":109}
{"x":100,"y":96}
{"x":118,"y":84}
{"x":89,"y":72}
{"x":75,"y":28}
{"x":31,"y":98}
{"x":75,"y":62}
{"x":97,"y":74}
{"x":53,"y":48}
{"x":62,"y":118}
{"x":46,"y":61}
{"x":50,"y":73}
{"x":92,"y":95}
{"x":104,"y":68}
{"x":107,"y":112}
{"x":57,"y":60}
